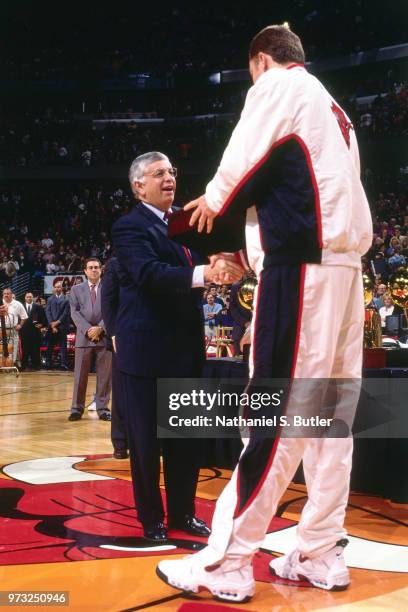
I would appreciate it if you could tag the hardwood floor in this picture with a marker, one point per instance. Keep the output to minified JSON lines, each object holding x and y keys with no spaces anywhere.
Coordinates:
{"x":67,"y":520}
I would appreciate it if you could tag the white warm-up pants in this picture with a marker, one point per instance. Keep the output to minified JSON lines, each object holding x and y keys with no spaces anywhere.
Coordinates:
{"x":328,"y":345}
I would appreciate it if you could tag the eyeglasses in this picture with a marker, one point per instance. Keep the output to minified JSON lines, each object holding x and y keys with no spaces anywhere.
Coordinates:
{"x":161,"y":172}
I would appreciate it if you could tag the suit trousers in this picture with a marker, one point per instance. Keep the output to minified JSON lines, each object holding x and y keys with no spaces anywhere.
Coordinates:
{"x":83,"y":362}
{"x":31,"y":343}
{"x":59,"y":338}
{"x":118,"y":428}
{"x":180,"y":457}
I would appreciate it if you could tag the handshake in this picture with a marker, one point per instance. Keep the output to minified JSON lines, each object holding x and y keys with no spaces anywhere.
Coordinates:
{"x":223,"y":269}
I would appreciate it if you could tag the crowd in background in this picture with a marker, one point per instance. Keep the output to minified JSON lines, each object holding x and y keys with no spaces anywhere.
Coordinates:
{"x":69,"y":142}
{"x":53,"y":227}
{"x":88,"y":46}
{"x":51,"y":139}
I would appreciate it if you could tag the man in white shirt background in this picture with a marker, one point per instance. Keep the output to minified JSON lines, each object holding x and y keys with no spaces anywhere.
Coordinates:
{"x":16,"y":322}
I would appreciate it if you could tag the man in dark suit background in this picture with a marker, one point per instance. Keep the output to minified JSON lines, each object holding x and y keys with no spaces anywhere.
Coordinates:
{"x":110,"y":290}
{"x":90,"y":343}
{"x":31,"y":332}
{"x":58,"y":317}
{"x":159,"y":333}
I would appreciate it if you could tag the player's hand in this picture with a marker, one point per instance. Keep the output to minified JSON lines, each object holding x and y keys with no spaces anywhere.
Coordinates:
{"x":203,"y":214}
{"x":223,"y":272}
{"x":226,"y":256}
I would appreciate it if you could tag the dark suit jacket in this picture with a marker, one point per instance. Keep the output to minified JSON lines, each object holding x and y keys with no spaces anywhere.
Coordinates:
{"x":37,"y":314}
{"x":110,"y":298}
{"x":159,"y":326}
{"x":57,"y":309}
{"x":110,"y":295}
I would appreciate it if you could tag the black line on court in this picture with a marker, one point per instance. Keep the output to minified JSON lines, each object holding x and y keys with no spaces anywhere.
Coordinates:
{"x":284,"y":505}
{"x":156,"y":602}
{"x":379,"y":514}
{"x":24,"y":413}
{"x":33,"y":388}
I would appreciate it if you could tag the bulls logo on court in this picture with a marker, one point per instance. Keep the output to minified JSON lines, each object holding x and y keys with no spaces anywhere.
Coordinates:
{"x":81,"y":508}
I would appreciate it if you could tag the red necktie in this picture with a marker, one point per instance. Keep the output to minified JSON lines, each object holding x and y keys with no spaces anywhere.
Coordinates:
{"x":93,"y":295}
{"x":187,"y":251}
{"x":188,"y":255}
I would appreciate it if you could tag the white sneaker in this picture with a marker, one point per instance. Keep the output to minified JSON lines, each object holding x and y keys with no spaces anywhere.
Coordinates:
{"x":328,"y":571}
{"x":190,"y":575}
{"x":92,"y":406}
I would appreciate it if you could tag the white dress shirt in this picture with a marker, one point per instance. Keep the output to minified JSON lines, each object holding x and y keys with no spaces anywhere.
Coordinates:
{"x":96,"y":285}
{"x":384,"y":312}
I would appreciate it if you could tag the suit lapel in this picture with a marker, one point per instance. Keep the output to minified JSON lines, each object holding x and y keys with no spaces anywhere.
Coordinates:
{"x":160,"y":228}
{"x":97,"y":305}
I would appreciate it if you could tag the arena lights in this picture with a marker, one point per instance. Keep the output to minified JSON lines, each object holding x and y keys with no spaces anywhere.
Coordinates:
{"x":215,"y":78}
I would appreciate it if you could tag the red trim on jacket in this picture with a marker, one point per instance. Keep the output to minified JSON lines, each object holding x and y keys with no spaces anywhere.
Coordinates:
{"x":255,"y":492}
{"x":295,"y":66}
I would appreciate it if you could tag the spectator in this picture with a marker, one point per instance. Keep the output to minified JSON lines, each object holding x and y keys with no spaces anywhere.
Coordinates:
{"x":46,"y":241}
{"x":58,"y":317}
{"x":214,"y":292}
{"x":31,"y":333}
{"x":17,"y":317}
{"x":378,"y":300}
{"x":388,"y":309}
{"x":397,"y":259}
{"x":210,"y":309}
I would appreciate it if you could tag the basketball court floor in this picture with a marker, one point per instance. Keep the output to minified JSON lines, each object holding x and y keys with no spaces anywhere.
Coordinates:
{"x":67,"y":521}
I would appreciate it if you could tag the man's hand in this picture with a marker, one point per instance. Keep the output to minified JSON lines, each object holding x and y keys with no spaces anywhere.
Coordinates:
{"x":226,"y":256}
{"x":203,"y":214}
{"x":94,"y":332}
{"x":223,"y":272}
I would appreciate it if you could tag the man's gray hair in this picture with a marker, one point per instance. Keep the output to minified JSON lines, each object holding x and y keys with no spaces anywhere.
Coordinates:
{"x":139,"y":164}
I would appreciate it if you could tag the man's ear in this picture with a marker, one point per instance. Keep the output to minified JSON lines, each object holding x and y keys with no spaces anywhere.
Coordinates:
{"x":262,"y":60}
{"x":137,"y":189}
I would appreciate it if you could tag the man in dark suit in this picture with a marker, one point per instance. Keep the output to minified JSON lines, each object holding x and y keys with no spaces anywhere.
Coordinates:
{"x":31,"y":332}
{"x":90,"y":343}
{"x":58,"y":317}
{"x":159,"y":333}
{"x":110,"y":304}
